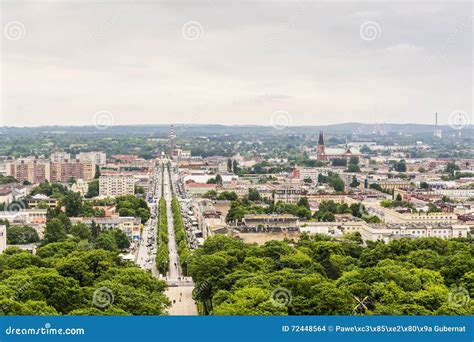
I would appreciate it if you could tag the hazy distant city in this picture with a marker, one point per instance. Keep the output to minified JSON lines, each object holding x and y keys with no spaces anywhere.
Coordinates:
{"x":232,"y":220}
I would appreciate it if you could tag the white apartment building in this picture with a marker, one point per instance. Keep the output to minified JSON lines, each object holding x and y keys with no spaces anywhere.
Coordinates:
{"x":387,"y":232}
{"x":311,"y":172}
{"x":96,"y":157}
{"x":116,"y":184}
{"x":459,"y":194}
{"x":287,"y":193}
{"x":392,"y":216}
{"x":57,"y":157}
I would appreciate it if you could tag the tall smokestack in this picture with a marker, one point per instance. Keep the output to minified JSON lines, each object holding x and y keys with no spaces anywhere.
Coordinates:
{"x":171,"y":140}
{"x":436,"y":119}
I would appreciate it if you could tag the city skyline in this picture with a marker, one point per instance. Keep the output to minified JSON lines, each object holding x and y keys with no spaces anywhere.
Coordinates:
{"x":232,"y":64}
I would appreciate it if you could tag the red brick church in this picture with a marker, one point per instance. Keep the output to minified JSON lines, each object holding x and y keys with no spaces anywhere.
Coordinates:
{"x":329,"y":154}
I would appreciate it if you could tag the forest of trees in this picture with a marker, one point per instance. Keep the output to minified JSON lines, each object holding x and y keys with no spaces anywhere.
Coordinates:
{"x":76,"y":277}
{"x":319,"y":275}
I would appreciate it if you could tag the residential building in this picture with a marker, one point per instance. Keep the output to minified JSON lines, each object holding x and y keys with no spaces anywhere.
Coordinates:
{"x":310,"y":173}
{"x":29,"y":169}
{"x":72,"y":169}
{"x":57,"y":157}
{"x":96,"y":157}
{"x":287,"y":193}
{"x":34,"y":201}
{"x":387,"y":232}
{"x":116,"y":184}
{"x":197,"y":189}
{"x":270,"y":221}
{"x":129,"y":225}
{"x":80,"y":186}
{"x":40,"y":170}
{"x":6,"y":195}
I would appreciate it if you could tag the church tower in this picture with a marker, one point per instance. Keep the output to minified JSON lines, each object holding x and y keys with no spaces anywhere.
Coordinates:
{"x":321,"y":149}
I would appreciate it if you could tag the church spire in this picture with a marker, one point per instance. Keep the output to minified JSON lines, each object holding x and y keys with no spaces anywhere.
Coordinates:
{"x":321,"y":139}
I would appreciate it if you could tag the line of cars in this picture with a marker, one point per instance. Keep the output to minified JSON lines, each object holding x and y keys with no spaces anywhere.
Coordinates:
{"x":150,"y":230}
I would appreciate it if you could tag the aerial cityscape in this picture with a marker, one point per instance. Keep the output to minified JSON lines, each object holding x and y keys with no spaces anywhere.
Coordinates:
{"x":213,"y":170}
{"x":155,"y":220}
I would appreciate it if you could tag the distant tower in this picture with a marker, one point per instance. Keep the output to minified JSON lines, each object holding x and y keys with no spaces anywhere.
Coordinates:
{"x":437,"y":132}
{"x":171,"y":141}
{"x":321,"y":149}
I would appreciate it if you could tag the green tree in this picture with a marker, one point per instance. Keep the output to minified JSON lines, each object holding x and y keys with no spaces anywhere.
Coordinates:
{"x":54,"y":231}
{"x":400,"y":166}
{"x":254,"y":195}
{"x":20,"y":235}
{"x":354,"y":183}
{"x":93,"y":188}
{"x":81,"y":230}
{"x":72,"y":201}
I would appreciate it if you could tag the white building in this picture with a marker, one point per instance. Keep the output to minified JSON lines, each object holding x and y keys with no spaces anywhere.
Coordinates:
{"x":387,"y":232}
{"x":459,"y":194}
{"x":58,"y":157}
{"x":116,"y":184}
{"x":311,"y":172}
{"x":203,"y":178}
{"x":96,"y":157}
{"x":80,"y":186}
{"x":3,"y":238}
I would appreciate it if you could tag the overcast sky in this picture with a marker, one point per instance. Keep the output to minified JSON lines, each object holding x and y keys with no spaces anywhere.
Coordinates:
{"x":234,"y":62}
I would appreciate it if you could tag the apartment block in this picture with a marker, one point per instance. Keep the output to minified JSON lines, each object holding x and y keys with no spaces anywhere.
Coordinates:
{"x":96,"y":157}
{"x":116,"y":184}
{"x":39,"y":170}
{"x":31,"y":170}
{"x":64,"y":171}
{"x":59,"y":157}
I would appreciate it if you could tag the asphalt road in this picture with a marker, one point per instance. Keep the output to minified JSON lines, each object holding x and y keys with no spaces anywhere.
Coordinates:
{"x":174,"y":272}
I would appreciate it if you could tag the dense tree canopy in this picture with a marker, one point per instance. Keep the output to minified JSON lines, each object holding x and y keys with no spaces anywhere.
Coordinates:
{"x":319,"y":275}
{"x":68,"y":278}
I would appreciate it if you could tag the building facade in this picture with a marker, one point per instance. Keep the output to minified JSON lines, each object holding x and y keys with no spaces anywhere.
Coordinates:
{"x":116,"y":184}
{"x":39,"y":170}
{"x":96,"y":157}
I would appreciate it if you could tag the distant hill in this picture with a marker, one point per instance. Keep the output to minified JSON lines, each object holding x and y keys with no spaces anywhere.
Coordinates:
{"x":205,"y":130}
